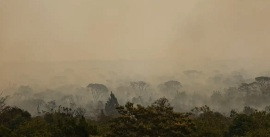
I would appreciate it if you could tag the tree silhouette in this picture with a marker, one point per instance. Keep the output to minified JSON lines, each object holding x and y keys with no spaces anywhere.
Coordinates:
{"x":97,"y":90}
{"x":170,"y":88}
{"x":111,"y":105}
{"x":156,"y":120}
{"x":139,"y":86}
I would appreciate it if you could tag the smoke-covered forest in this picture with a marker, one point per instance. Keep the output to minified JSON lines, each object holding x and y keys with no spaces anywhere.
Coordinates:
{"x":137,"y":109}
{"x":93,"y":97}
{"x":134,"y":68}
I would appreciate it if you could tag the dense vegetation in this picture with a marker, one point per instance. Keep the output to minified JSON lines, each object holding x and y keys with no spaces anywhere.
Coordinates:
{"x":157,"y":119}
{"x":164,"y":117}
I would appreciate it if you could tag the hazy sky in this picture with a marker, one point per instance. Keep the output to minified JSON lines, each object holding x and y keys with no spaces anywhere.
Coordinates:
{"x":189,"y":30}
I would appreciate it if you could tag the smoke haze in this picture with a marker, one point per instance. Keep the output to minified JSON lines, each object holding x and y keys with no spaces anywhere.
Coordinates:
{"x":50,"y":43}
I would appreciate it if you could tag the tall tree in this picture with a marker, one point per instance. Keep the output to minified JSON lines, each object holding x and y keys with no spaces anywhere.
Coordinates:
{"x":139,"y":86}
{"x":111,"y":105}
{"x":97,"y":90}
{"x":170,"y":88}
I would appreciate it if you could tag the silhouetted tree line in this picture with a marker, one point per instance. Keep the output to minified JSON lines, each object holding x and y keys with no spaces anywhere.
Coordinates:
{"x":156,"y":120}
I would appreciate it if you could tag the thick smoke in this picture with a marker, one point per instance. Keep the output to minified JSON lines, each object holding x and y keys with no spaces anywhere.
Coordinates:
{"x":221,"y":92}
{"x":51,"y":50}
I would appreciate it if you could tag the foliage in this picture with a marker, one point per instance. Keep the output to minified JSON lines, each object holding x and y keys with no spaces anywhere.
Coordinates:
{"x":209,"y":123}
{"x":64,"y":122}
{"x":111,"y":105}
{"x":12,"y":117}
{"x":37,"y":127}
{"x":5,"y":132}
{"x":256,"y":124}
{"x":156,"y":120}
{"x":159,"y":119}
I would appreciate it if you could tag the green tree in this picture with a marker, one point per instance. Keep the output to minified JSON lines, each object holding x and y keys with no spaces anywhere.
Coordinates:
{"x":37,"y":127}
{"x":156,"y":120}
{"x":66,"y":123}
{"x":13,"y":117}
{"x":241,"y":124}
{"x":209,"y":123}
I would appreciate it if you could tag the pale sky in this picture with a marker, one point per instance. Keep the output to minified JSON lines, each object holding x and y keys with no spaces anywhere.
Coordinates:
{"x":70,"y":30}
